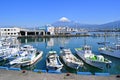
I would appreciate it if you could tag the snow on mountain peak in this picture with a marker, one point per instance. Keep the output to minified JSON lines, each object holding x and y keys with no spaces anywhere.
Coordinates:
{"x":64,"y":19}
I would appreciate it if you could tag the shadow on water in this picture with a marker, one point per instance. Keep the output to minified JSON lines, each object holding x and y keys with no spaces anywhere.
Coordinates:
{"x":115,"y":65}
{"x":89,"y":68}
{"x":4,"y":63}
{"x":30,"y":68}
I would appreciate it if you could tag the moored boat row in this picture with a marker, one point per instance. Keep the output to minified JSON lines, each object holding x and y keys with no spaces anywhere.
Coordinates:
{"x":28,"y":55}
{"x":25,"y":55}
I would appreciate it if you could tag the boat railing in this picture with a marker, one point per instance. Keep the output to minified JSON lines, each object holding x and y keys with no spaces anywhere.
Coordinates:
{"x":78,"y":49}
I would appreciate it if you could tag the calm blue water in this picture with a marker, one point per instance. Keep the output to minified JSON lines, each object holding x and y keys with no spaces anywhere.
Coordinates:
{"x":46,"y":44}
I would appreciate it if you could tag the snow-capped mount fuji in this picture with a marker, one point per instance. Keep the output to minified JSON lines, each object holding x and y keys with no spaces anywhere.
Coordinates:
{"x":64,"y":19}
{"x":64,"y":22}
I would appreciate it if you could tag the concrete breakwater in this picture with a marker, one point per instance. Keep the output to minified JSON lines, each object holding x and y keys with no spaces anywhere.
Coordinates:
{"x":53,"y":71}
{"x":92,"y":34}
{"x":47,"y":36}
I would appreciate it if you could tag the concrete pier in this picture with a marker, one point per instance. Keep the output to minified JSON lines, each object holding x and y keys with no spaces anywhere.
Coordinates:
{"x":29,"y":75}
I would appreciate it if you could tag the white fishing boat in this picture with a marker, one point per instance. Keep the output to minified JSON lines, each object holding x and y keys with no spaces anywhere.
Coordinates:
{"x":53,"y":62}
{"x":69,"y":59}
{"x":2,"y":54}
{"x":28,"y":56}
{"x":12,"y":52}
{"x":8,"y":48}
{"x":110,"y":50}
{"x":86,"y":54}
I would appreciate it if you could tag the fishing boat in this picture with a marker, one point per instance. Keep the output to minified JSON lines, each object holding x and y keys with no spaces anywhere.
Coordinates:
{"x":113,"y":51}
{"x":28,"y":56}
{"x":9,"y":47}
{"x":12,"y":52}
{"x":53,"y":62}
{"x":2,"y":54}
{"x":9,"y":53}
{"x":86,"y":54}
{"x":103,"y":43}
{"x":105,"y":40}
{"x":70,"y":60}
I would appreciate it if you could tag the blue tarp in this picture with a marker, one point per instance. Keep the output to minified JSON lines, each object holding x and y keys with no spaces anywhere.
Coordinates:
{"x":15,"y":69}
{"x":53,"y":71}
{"x":37,"y":70}
{"x":102,"y":74}
{"x":84,"y":73}
{"x":5,"y":68}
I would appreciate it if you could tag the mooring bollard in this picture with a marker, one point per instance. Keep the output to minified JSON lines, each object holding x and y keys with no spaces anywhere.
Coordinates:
{"x":23,"y":71}
{"x":68,"y":74}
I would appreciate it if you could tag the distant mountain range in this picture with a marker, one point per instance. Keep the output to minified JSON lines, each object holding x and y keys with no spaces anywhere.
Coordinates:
{"x":66,"y":22}
{"x":115,"y":24}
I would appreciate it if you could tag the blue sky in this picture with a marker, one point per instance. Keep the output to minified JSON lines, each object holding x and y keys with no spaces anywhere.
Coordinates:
{"x":41,"y":12}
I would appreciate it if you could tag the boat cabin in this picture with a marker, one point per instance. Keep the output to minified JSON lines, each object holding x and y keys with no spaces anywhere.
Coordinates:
{"x":66,"y":51}
{"x":87,"y":49}
{"x":118,"y":46}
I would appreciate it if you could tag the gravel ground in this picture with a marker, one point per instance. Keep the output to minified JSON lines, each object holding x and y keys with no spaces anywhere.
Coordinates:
{"x":29,"y":75}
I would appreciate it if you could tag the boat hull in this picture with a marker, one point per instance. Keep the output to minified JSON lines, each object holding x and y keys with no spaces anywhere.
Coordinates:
{"x":34,"y":60}
{"x":115,"y":54}
{"x":26,"y":63}
{"x":69,"y":64}
{"x":53,"y":62}
{"x":97,"y":64}
{"x":56,"y":68}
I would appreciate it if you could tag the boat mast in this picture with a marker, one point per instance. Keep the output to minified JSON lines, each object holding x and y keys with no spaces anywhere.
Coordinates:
{"x":84,"y":40}
{"x":105,"y":38}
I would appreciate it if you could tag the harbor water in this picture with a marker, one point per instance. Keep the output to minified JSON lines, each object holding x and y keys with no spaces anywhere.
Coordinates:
{"x":46,"y":44}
